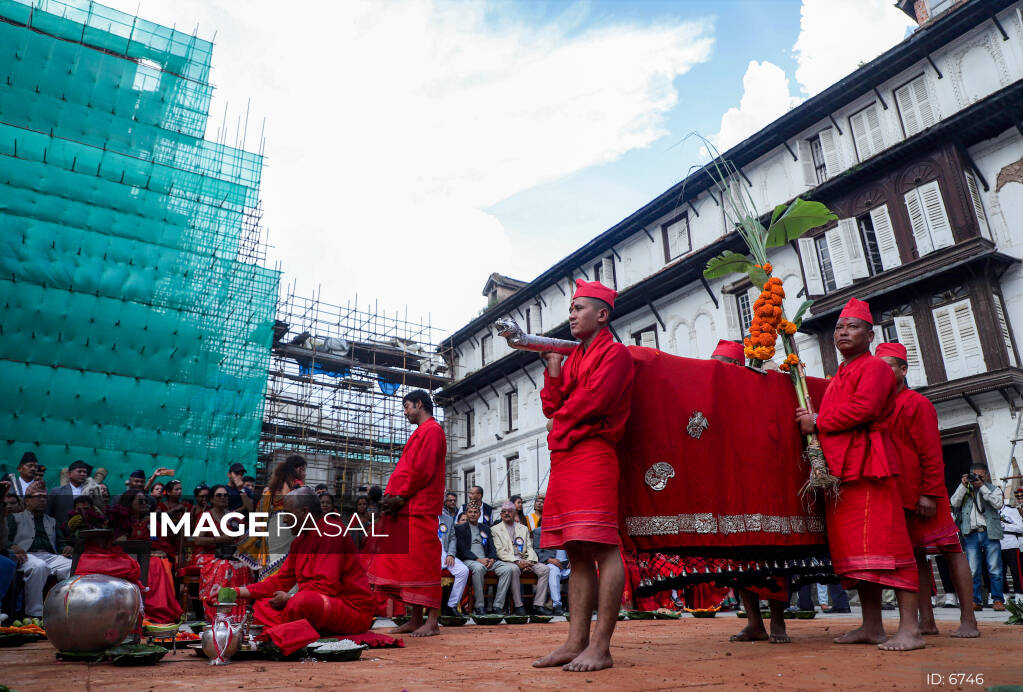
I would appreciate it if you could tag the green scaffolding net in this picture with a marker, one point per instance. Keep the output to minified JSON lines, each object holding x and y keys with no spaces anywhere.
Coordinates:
{"x":136,"y":325}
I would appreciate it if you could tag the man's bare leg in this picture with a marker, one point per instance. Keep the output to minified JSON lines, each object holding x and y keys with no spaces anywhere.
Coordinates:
{"x":959,"y":570}
{"x":754,"y":631}
{"x":871,"y":631}
{"x":779,"y":635}
{"x":908,"y":637}
{"x":597,"y":654}
{"x":415,"y":621}
{"x":430,"y":627}
{"x":582,"y":595}
{"x":927,"y":624}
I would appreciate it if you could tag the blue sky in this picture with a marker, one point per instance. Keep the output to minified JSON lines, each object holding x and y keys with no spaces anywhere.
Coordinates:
{"x":415,"y":146}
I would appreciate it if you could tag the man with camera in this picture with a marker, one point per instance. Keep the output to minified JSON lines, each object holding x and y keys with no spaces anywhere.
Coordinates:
{"x":976,"y":503}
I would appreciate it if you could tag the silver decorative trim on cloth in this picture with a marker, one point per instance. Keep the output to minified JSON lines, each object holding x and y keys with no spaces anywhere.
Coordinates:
{"x":723,"y":524}
{"x":657,"y":476}
{"x":697,"y":424}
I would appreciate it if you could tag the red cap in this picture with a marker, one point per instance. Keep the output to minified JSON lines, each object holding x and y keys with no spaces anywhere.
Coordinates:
{"x":729,"y":349}
{"x":858,"y":309}
{"x":595,"y":289}
{"x":892,"y":349}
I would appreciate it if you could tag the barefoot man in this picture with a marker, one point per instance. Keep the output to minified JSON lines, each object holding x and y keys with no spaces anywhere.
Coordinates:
{"x":867,"y":535}
{"x":732,"y":352}
{"x":586,"y":401}
{"x":924,"y":497}
{"x":412,"y":500}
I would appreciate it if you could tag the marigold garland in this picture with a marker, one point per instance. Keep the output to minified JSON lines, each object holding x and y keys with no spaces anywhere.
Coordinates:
{"x":767,"y":320}
{"x":791,"y":360}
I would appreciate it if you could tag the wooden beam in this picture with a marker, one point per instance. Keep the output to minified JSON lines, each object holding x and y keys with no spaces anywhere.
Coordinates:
{"x":832,"y":119}
{"x":583,"y":272}
{"x":972,"y":404}
{"x":480,"y":396}
{"x":523,"y":368}
{"x":880,"y":98}
{"x":615,"y":252}
{"x":935,"y":67}
{"x":973,"y":165}
{"x":690,"y":203}
{"x":745,"y":178}
{"x":706,"y":286}
{"x":494,"y":390}
{"x":615,"y":334}
{"x":648,"y":235}
{"x":1001,"y":29}
{"x":792,"y":153}
{"x":650,"y":304}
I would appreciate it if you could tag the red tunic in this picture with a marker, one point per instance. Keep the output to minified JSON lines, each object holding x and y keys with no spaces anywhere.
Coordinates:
{"x":917,"y":440}
{"x":588,"y":405}
{"x":333,"y":593}
{"x":866,"y":526}
{"x":406,"y":568}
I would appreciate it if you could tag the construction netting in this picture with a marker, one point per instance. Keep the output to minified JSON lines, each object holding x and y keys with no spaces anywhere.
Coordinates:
{"x":135,"y":332}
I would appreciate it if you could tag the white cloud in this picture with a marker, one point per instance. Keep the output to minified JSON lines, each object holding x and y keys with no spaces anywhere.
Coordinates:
{"x":835,"y":36}
{"x":765,"y":97}
{"x":823,"y":54}
{"x":392,"y":126}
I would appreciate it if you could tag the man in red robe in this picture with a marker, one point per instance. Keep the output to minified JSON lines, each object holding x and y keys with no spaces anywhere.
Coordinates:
{"x":587,"y":401}
{"x":412,"y":500}
{"x":924,"y":496}
{"x":333,"y":594}
{"x":867,"y":535}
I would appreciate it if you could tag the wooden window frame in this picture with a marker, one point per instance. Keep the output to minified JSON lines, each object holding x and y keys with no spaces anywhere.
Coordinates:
{"x":470,"y":420}
{"x":898,"y":109}
{"x":637,"y":336}
{"x":852,"y":133}
{"x":598,"y":272}
{"x":485,"y":339}
{"x":664,"y":236}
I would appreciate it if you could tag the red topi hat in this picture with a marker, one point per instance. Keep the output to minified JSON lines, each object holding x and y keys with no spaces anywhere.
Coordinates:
{"x":729,"y":349}
{"x":859,"y":309}
{"x":892,"y":349}
{"x":595,"y":289}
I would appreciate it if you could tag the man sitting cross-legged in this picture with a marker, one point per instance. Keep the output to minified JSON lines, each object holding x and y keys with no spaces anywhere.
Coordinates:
{"x":514,"y":546}
{"x":333,"y":592}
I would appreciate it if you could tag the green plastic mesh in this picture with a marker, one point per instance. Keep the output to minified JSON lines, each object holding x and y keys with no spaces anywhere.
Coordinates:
{"x":133,"y":334}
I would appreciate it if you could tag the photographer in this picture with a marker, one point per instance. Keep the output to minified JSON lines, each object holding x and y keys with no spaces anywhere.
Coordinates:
{"x":975,"y":504}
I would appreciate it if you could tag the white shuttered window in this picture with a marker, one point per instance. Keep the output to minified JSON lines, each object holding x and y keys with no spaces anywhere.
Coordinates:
{"x":839,"y":258}
{"x":677,"y":236}
{"x":850,"y":234}
{"x":916,"y":107}
{"x":866,"y":128}
{"x":959,"y":339}
{"x":811,"y":268}
{"x":931,"y":228}
{"x":905,"y":327}
{"x":1003,"y":328}
{"x":978,"y":204}
{"x":885,"y":235}
{"x":829,"y":149}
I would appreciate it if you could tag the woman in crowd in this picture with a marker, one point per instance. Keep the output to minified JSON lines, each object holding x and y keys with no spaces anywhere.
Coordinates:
{"x":520,"y":515}
{"x":266,"y":555}
{"x":327,"y":503}
{"x":202,"y":501}
{"x":214,"y":557}
{"x":364,"y":521}
{"x":172,"y":505}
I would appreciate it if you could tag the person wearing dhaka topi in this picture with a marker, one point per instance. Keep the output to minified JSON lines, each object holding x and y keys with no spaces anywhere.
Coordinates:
{"x":413,"y":498}
{"x":867,"y":536}
{"x":587,"y":400}
{"x":924,"y":497}
{"x":333,"y":594}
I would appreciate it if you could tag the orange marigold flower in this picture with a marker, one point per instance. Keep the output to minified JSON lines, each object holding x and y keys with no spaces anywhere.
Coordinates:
{"x":776,"y":311}
{"x":767,"y":339}
{"x":774,"y":280}
{"x":776,"y":300}
{"x":791,"y":328}
{"x":784,"y":367}
{"x":778,"y":291}
{"x":768,"y":268}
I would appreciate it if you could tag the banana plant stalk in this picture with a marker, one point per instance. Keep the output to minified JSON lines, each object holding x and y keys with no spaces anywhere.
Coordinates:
{"x":788,"y":222}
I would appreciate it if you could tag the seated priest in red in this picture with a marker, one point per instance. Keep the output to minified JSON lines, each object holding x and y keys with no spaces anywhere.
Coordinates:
{"x":333,"y":594}
{"x":867,"y":534}
{"x":924,"y":496}
{"x":732,"y":352}
{"x":587,"y":401}
{"x":413,"y":498}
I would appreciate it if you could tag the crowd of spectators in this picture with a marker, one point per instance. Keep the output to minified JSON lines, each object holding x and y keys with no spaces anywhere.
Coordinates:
{"x":41,"y":528}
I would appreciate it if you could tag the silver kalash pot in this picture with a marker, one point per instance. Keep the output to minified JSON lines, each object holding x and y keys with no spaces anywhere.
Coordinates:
{"x":91,"y":612}
{"x":220,"y":641}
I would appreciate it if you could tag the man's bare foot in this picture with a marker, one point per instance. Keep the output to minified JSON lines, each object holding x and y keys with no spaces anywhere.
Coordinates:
{"x":861,"y":636}
{"x":966,"y":630}
{"x":589,"y":660}
{"x":404,"y":629}
{"x":903,"y":641}
{"x":427,"y":630}
{"x":778,"y":633}
{"x":750,"y":633}
{"x":559,"y":657}
{"x":929,"y":628}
